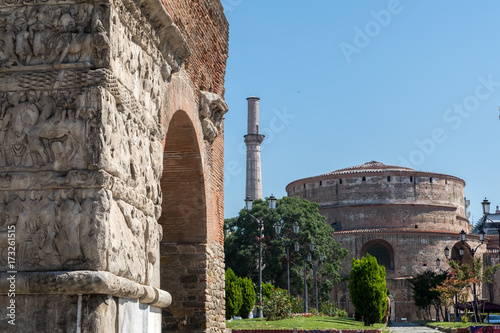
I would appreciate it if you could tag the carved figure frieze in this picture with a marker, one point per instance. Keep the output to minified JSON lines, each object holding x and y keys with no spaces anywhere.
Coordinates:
{"x":50,"y":227}
{"x":39,"y":129}
{"x":152,"y":28}
{"x":139,"y":70}
{"x":63,"y":230}
{"x":90,"y":179}
{"x":45,"y":34}
{"x":212,"y":110}
{"x":80,"y":129}
{"x":28,"y":2}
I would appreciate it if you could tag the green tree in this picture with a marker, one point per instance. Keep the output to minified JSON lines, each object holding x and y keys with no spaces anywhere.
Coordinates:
{"x":234,"y":298}
{"x":279,"y":305}
{"x":488,"y":278}
{"x":248,"y":294}
{"x":459,"y":282}
{"x":368,"y":289}
{"x":267,"y":290}
{"x":425,"y":294}
{"x":241,"y":245}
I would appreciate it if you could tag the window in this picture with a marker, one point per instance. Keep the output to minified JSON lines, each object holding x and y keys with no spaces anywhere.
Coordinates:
{"x":388,"y":178}
{"x":364,"y":179}
{"x":340,"y":181}
{"x":382,"y":254}
{"x":411,"y":179}
{"x":430,"y":179}
{"x":381,"y":250}
{"x":320,"y":183}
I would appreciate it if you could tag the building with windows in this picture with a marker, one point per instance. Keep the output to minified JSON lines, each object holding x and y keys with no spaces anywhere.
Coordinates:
{"x":403,"y":217}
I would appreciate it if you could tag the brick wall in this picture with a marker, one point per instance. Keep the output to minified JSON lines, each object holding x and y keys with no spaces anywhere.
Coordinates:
{"x":192,"y":256}
{"x":364,"y":200}
{"x":205,"y":27}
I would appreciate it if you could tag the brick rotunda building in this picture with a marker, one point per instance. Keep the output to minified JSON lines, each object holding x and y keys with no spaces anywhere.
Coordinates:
{"x":403,"y":217}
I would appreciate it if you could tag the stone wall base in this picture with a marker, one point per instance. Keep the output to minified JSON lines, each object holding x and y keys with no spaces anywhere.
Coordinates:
{"x":306,"y":331}
{"x":194,"y":275}
{"x":67,"y":313}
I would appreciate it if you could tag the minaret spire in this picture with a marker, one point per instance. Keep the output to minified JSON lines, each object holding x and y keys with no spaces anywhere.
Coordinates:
{"x":253,"y":140}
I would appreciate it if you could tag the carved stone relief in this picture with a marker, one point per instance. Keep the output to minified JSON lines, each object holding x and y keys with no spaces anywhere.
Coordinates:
{"x":78,"y":229}
{"x":138,"y":67}
{"x":130,"y":150}
{"x":212,"y":110}
{"x":34,"y":35}
{"x":54,"y":229}
{"x":79,"y":129}
{"x":150,"y":26}
{"x":48,"y":130}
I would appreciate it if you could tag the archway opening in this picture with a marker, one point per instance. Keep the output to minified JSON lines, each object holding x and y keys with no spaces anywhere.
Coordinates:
{"x":184,"y":212}
{"x":455,"y":254}
{"x":382,"y":251}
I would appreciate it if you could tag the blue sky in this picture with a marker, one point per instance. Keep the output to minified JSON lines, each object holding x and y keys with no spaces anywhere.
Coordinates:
{"x":410,"y":83}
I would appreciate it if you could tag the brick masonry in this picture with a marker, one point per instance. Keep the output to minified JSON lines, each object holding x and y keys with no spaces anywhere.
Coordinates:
{"x":414,"y":215}
{"x":192,"y":255}
{"x":196,"y":273}
{"x":206,"y":29}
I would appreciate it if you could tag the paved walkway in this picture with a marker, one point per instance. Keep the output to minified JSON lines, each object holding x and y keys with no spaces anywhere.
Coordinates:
{"x":409,"y":327}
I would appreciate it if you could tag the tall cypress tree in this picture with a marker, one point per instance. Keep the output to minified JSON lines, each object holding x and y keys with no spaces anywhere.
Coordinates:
{"x":368,"y":289}
{"x":248,"y":294}
{"x":234,"y":298}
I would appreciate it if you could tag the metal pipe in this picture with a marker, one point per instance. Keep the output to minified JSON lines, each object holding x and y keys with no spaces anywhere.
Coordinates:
{"x":316,"y":282}
{"x":288,"y":267}
{"x":306,"y":307}
{"x":260,"y":314}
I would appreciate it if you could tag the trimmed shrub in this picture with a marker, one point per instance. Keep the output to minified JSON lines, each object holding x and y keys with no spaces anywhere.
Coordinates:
{"x":328,"y":308}
{"x":267,"y":290}
{"x":297,"y":304}
{"x":368,"y":289}
{"x":234,"y":297}
{"x":278,"y":306}
{"x":248,"y":294}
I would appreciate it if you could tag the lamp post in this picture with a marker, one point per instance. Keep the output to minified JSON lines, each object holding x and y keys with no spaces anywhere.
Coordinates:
{"x":486,"y":211}
{"x":315,"y":272}
{"x":447,"y":254}
{"x":473,"y":252}
{"x":438,"y":265}
{"x":278,"y":226}
{"x":260,"y":223}
{"x":306,"y":258}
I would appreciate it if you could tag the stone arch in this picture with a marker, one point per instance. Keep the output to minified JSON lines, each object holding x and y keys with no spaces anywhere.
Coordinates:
{"x":184,"y":207}
{"x":381,"y":250}
{"x":455,"y":253}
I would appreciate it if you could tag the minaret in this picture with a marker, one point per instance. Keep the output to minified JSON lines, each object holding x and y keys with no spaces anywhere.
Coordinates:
{"x":253,"y":140}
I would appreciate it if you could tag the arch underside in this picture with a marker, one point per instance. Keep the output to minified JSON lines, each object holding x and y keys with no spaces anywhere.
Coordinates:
{"x":184,"y":213}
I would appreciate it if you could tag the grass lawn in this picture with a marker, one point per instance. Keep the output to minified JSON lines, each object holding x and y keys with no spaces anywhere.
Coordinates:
{"x":309,"y":323}
{"x":449,"y":324}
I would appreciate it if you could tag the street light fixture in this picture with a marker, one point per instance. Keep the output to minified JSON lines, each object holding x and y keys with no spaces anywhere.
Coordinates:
{"x":447,"y":254}
{"x":315,"y":272}
{"x":486,"y":206}
{"x":305,"y":258}
{"x":473,"y":252}
{"x":260,"y":223}
{"x":486,"y":211}
{"x":278,"y":226}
